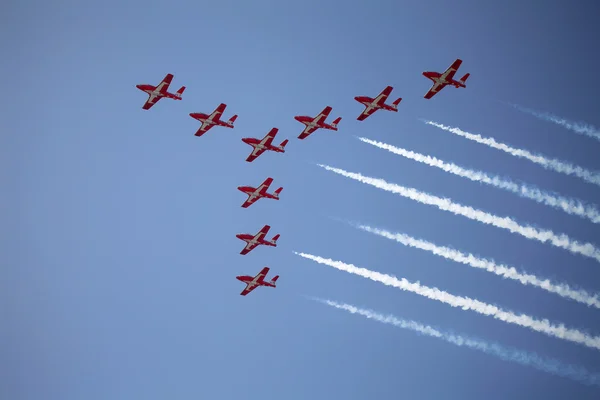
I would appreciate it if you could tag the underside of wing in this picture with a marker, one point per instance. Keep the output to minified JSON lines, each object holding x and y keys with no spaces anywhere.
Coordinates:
{"x":247,"y":250}
{"x":434,"y":90}
{"x":382,"y":97}
{"x":319,"y":119}
{"x":254,"y":155}
{"x":449,"y":73}
{"x":216,"y":115}
{"x":306,"y":133}
{"x":247,"y":290}
{"x":150,"y":102}
{"x":261,"y":275}
{"x":202,"y":130}
{"x":249,"y":202}
{"x":366,"y":113}
{"x":270,"y":136}
{"x":163,"y":86}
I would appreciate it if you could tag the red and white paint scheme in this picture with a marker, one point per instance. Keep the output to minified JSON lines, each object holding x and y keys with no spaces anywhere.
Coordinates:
{"x":266,"y":143}
{"x":214,"y":119}
{"x":447,"y":78}
{"x":318,"y":122}
{"x":252,"y":282}
{"x":252,"y":241}
{"x":378,"y":103}
{"x":259,"y":192}
{"x":155,"y":93}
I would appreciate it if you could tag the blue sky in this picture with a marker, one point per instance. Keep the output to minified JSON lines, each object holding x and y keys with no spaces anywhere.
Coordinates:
{"x":118,"y":244}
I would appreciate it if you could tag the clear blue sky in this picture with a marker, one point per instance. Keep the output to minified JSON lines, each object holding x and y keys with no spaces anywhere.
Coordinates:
{"x":118,"y":245}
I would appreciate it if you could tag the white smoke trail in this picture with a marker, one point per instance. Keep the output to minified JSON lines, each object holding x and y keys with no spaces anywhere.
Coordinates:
{"x":466,"y":303}
{"x":548,"y":163}
{"x":502,"y":270}
{"x":522,"y":357}
{"x":570,"y":206}
{"x":558,"y":240}
{"x":577,"y":127}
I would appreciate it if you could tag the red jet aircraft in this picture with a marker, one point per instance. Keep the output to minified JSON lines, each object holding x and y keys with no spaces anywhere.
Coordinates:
{"x":263,"y":144}
{"x":312,"y":124}
{"x":447,"y":78}
{"x":253,"y":241}
{"x":378,"y":103}
{"x":208,"y":121}
{"x":155,"y":93}
{"x":252,"y":282}
{"x":261,"y":191}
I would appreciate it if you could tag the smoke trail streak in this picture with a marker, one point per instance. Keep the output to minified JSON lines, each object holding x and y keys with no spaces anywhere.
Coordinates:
{"x":466,"y":303}
{"x":552,"y":366}
{"x":570,"y":206}
{"x":548,"y":163}
{"x":559,"y":240}
{"x":502,"y":270}
{"x":577,"y":127}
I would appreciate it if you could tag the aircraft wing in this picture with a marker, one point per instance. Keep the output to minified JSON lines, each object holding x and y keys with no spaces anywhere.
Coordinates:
{"x":262,"y":189}
{"x":163,"y":86}
{"x":382,"y":97}
{"x":152,"y":100}
{"x":270,"y":136}
{"x":307,"y":132}
{"x":449,"y":73}
{"x":368,"y":111}
{"x":216,"y":115}
{"x":250,"y":201}
{"x":249,"y":247}
{"x":255,"y":153}
{"x":261,"y":275}
{"x":247,"y":290}
{"x":203,"y":129}
{"x":262,"y":233}
{"x":434,"y":90}
{"x":319,"y":119}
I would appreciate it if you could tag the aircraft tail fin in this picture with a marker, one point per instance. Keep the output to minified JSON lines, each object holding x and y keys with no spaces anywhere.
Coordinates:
{"x":274,"y":240}
{"x":277,"y":192}
{"x":180,"y":91}
{"x":395,"y":104}
{"x":463,"y":80}
{"x":274,"y":280}
{"x":282,"y":145}
{"x":232,"y":120}
{"x":336,"y":122}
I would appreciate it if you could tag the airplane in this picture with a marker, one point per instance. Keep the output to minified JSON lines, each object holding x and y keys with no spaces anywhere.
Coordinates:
{"x":256,"y":281}
{"x":447,"y":78}
{"x":378,"y":103}
{"x":155,"y":93}
{"x":261,"y":191}
{"x":266,"y":143}
{"x":312,"y":124}
{"x":252,"y":241}
{"x":208,"y":121}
